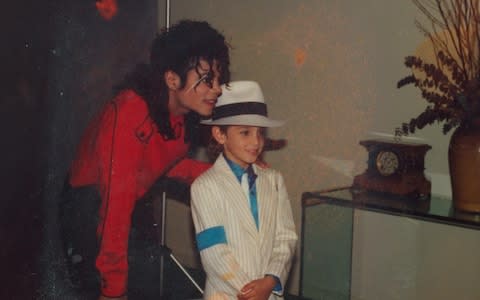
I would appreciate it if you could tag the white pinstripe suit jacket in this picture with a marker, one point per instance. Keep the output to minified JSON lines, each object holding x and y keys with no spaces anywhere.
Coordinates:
{"x":218,"y":200}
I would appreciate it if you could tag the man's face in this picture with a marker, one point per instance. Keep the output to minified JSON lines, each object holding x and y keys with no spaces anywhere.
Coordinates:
{"x":241,"y":144}
{"x":200,"y":92}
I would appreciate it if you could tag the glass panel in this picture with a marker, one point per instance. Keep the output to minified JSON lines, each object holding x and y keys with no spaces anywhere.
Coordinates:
{"x":327,"y":233}
{"x":427,"y":232}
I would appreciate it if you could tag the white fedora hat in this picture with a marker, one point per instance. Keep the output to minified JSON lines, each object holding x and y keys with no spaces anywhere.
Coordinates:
{"x":241,"y":103}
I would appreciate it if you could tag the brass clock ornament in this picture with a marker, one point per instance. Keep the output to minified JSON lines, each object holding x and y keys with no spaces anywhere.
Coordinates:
{"x":395,"y":168}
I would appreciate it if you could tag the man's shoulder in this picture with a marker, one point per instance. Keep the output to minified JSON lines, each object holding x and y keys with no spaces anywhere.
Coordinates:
{"x":133,"y":112}
{"x":128,"y":100}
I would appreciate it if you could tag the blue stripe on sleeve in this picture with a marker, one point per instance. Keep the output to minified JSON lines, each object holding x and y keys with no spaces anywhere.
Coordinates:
{"x":278,"y":285}
{"x":210,"y":237}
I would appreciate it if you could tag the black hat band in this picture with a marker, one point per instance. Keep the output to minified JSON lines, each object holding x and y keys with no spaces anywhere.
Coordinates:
{"x":244,"y":108}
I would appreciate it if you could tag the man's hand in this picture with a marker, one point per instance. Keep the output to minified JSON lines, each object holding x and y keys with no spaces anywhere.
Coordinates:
{"x":261,"y":163}
{"x":259,"y":289}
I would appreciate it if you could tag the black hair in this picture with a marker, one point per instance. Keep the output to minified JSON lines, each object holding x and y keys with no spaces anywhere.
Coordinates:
{"x":179,"y":49}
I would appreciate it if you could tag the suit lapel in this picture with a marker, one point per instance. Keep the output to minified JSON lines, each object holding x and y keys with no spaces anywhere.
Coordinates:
{"x":236,"y":196}
{"x":265,"y":197}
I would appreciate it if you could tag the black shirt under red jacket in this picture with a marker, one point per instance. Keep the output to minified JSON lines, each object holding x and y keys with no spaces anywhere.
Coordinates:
{"x":122,"y":153}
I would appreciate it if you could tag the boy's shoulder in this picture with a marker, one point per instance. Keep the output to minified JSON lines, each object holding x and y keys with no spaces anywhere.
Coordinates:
{"x":220,"y":171}
{"x":209,"y":175}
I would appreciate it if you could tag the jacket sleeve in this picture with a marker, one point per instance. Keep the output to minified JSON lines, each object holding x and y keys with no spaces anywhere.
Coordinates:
{"x":188,"y":169}
{"x":217,"y":257}
{"x":120,"y":154}
{"x":285,"y":237}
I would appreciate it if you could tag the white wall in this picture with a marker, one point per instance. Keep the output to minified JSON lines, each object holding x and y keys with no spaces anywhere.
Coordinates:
{"x":330,"y":69}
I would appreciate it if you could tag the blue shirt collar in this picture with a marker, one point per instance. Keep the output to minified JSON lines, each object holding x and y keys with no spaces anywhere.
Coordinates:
{"x":237,"y":169}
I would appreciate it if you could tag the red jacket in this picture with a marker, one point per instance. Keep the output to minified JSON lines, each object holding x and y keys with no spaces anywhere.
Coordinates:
{"x":123,"y":154}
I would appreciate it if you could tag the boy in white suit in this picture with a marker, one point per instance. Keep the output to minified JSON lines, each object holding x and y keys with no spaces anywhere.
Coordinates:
{"x":241,"y":212}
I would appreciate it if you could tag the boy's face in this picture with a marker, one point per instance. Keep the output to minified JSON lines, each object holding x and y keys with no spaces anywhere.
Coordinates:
{"x":200,"y":93}
{"x":241,"y":144}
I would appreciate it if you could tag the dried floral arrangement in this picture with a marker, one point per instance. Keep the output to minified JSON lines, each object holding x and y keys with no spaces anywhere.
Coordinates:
{"x":451,"y":85}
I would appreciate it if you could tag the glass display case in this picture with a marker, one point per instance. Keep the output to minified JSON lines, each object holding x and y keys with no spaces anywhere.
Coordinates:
{"x":360,"y":245}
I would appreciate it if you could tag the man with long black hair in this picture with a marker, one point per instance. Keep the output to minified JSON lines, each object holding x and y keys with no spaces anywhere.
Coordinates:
{"x":144,"y":133}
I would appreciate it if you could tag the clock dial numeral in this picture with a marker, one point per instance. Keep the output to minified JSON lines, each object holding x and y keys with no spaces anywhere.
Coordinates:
{"x":387,"y":163}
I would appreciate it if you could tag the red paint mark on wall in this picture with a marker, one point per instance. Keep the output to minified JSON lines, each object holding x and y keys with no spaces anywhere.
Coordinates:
{"x":300,"y":57}
{"x":107,"y":8}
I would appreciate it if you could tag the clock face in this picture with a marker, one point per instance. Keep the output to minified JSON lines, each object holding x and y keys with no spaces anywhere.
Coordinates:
{"x":387,"y":162}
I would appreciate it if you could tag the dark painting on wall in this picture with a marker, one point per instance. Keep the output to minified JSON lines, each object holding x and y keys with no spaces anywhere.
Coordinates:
{"x":60,"y":61}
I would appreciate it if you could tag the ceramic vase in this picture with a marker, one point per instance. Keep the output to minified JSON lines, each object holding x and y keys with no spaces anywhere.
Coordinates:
{"x":464,"y":164}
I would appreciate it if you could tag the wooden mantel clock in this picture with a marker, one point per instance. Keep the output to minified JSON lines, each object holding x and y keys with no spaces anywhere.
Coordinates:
{"x":395,"y":168}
